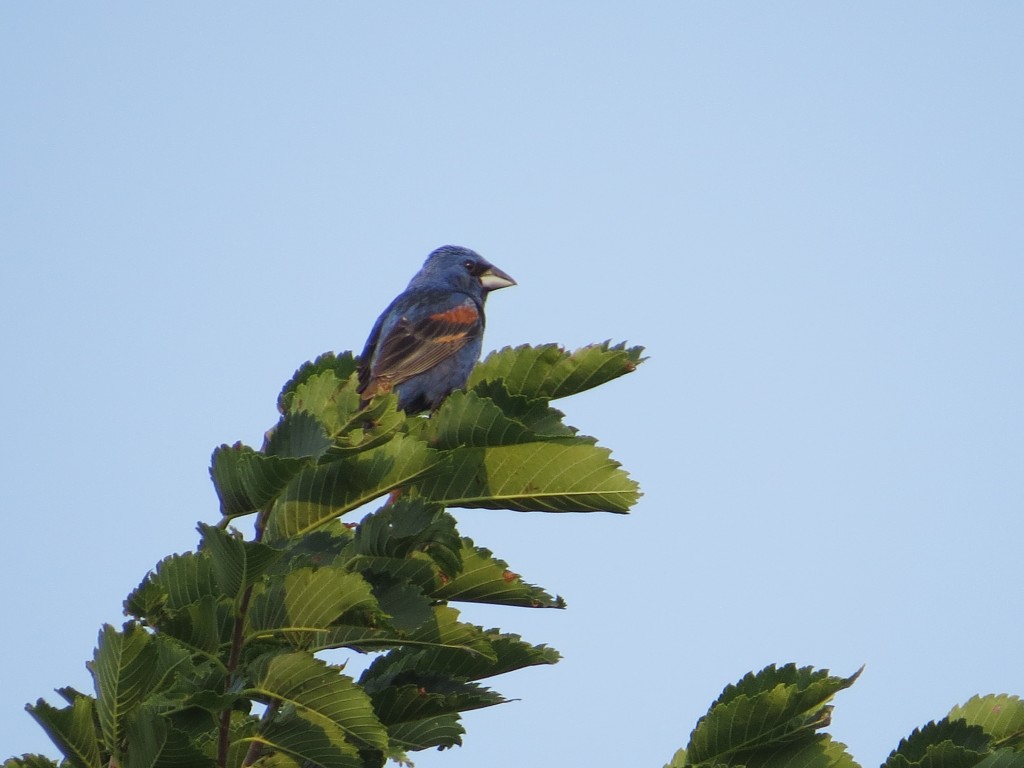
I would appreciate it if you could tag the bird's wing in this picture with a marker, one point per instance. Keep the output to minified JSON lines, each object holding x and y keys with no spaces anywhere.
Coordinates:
{"x":412,"y":346}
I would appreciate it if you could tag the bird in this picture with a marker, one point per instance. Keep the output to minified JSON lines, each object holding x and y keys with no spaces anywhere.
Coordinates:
{"x":424,"y":345}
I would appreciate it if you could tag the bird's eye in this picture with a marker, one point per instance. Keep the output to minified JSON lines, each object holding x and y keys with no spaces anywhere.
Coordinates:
{"x":470,"y":266}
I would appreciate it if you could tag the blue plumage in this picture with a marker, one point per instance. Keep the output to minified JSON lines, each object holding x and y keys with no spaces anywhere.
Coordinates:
{"x":427,"y":341}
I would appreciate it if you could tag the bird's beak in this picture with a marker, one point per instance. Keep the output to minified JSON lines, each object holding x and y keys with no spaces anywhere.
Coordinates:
{"x":493,"y":278}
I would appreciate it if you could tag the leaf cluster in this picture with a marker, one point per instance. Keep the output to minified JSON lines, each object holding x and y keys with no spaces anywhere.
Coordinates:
{"x":773,"y":719}
{"x":218,"y":663}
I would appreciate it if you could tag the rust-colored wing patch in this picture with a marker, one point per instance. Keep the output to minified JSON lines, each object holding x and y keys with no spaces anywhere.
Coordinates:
{"x":410,"y":348}
{"x":464,"y":314}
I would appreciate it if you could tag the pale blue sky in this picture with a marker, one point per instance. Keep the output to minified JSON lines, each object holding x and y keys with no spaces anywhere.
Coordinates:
{"x":810,"y":213}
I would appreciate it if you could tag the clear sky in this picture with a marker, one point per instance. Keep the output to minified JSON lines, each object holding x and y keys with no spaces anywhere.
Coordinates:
{"x":811,"y":214}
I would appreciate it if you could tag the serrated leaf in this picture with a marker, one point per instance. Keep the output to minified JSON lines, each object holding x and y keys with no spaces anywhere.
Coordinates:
{"x":559,"y":476}
{"x":348,"y":425}
{"x":153,"y":742}
{"x":298,"y":435}
{"x":467,"y":419}
{"x":194,"y":684}
{"x":816,"y":752}
{"x":316,"y":548}
{"x":813,"y":686}
{"x":486,"y":579}
{"x":429,"y":697}
{"x":277,"y":760}
{"x":72,"y":729}
{"x":171,"y":659}
{"x":30,"y":761}
{"x":308,"y":600}
{"x":235,"y":563}
{"x":123,"y":670}
{"x":536,"y":414}
{"x":204,"y":626}
{"x":176,"y":582}
{"x":308,"y":742}
{"x":774,"y":706}
{"x":146,"y":734}
{"x":342,"y":366}
{"x":442,"y":731}
{"x":320,"y":695}
{"x":959,"y":733}
{"x":417,"y":569}
{"x":321,"y":493}
{"x":411,"y":525}
{"x":549,"y":372}
{"x":246,"y":480}
{"x":404,"y":603}
{"x":944,"y":754}
{"x":1002,"y":758}
{"x":505,"y":654}
{"x":331,"y":399}
{"x":999,"y":715}
{"x":743,"y":724}
{"x":443,"y":634}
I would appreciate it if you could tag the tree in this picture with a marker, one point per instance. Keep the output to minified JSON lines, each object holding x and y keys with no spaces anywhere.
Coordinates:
{"x":217,"y":663}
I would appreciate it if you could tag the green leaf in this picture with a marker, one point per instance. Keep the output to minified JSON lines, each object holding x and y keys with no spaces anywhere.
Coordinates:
{"x":505,"y":653}
{"x":321,"y":493}
{"x":818,"y":751}
{"x":443,"y":634}
{"x":776,"y":705}
{"x":404,"y":603}
{"x":334,"y":402}
{"x":1002,"y":758}
{"x":417,"y":569}
{"x":176,"y":582}
{"x":341,"y":366}
{"x":154,"y":743}
{"x":29,"y":761}
{"x":813,"y":686}
{"x":235,"y":563}
{"x":429,"y":697}
{"x":944,"y":754}
{"x":186,"y":686}
{"x":146,"y":734}
{"x":408,"y":526}
{"x":123,"y":670}
{"x":246,"y":480}
{"x":298,"y":435}
{"x":308,"y":600}
{"x":308,"y":742}
{"x":511,"y":653}
{"x":916,"y":747}
{"x":72,"y":729}
{"x":539,"y":417}
{"x":320,"y":695}
{"x":204,"y":626}
{"x":549,"y":372}
{"x":277,"y":760}
{"x":543,"y":476}
{"x":467,"y":419}
{"x":316,"y":548}
{"x":1001,"y":716}
{"x":442,"y":731}
{"x":486,"y":579}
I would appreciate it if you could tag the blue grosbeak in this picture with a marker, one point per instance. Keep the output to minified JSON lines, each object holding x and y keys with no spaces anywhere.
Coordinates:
{"x":429,"y":338}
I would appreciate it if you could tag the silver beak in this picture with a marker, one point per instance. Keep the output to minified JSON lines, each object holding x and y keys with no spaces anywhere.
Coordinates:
{"x":493,"y":278}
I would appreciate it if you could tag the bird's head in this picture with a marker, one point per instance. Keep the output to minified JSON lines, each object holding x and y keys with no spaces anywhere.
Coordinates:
{"x":461,"y":269}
